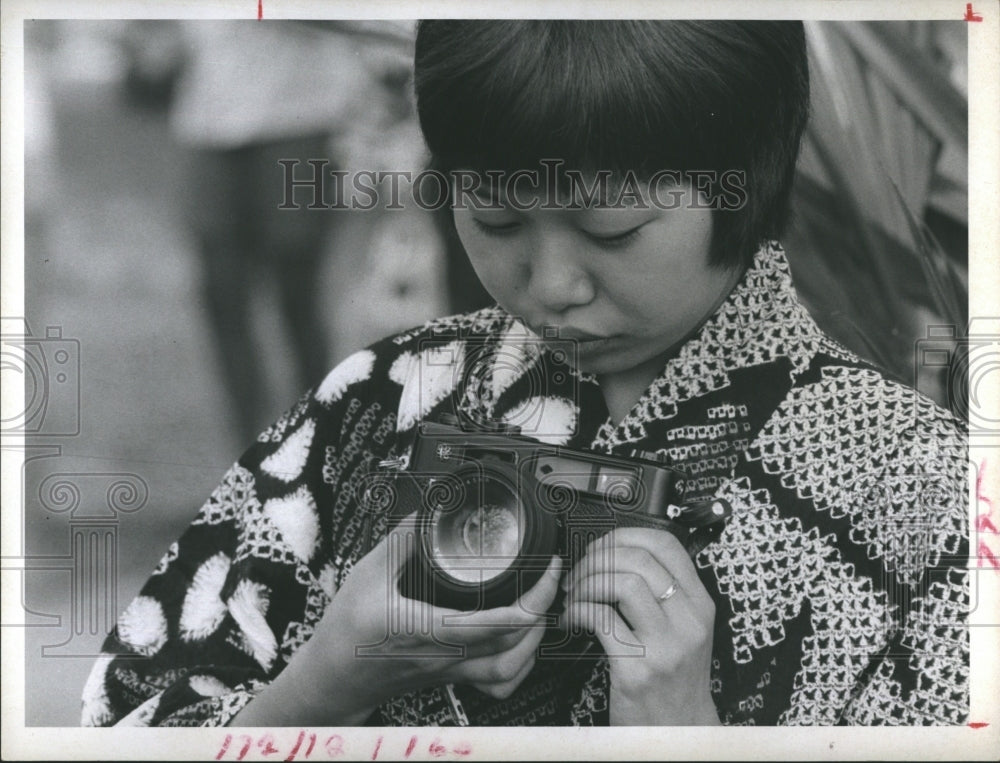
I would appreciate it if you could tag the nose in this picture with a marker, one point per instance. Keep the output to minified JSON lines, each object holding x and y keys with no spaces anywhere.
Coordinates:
{"x":556,"y":280}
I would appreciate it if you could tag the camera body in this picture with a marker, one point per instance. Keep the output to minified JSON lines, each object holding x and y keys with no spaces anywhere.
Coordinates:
{"x":493,"y":507}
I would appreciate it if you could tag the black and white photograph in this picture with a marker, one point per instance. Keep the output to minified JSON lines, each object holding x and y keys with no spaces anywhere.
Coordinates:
{"x":501,"y":366}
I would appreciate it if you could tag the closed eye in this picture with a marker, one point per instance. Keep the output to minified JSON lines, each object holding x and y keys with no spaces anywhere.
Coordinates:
{"x":495,"y":230}
{"x":615,"y":240}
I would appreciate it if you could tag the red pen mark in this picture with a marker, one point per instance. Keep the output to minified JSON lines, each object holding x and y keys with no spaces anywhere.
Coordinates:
{"x":334,"y":745}
{"x":410,"y":746}
{"x":984,"y":523}
{"x":298,"y":744}
{"x":978,"y":725}
{"x":266,"y":745}
{"x":378,"y":746}
{"x":984,"y":552}
{"x":969,"y":15}
{"x":260,"y":9}
{"x":225,"y":746}
{"x":979,"y":486}
{"x":464,"y":748}
{"x":246,"y":747}
{"x":437,"y":749}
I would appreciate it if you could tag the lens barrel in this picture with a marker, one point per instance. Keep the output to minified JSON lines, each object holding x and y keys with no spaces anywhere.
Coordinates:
{"x":482,"y":542}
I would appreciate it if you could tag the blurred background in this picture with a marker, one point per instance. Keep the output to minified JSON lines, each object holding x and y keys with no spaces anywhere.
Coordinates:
{"x":190,"y":311}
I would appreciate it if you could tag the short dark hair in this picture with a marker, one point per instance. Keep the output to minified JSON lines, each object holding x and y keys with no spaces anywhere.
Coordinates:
{"x":637,"y":96}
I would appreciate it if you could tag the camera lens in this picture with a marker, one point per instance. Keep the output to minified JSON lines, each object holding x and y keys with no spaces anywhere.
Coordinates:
{"x":482,"y":537}
{"x":491,"y":530}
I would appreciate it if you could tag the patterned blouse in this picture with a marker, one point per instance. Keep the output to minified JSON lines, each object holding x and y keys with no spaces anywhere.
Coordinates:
{"x":839,"y":582}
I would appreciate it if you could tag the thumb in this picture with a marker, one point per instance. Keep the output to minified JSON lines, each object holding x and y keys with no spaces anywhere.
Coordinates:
{"x":400,"y":543}
{"x":543,"y":593}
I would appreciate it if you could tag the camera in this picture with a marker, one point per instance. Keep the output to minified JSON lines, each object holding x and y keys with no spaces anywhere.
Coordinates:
{"x":493,"y":507}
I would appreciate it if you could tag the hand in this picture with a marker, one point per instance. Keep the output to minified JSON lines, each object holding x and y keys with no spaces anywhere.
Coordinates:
{"x":616,"y":591}
{"x":408,"y":644}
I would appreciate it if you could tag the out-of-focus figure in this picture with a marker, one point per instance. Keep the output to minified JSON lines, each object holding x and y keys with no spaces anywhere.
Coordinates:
{"x":243,"y":97}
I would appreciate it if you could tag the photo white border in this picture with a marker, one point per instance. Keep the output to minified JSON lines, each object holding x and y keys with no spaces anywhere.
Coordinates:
{"x":819,"y":743}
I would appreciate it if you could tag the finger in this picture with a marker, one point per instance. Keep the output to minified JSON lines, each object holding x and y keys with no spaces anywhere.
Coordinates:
{"x":475,"y":628}
{"x":478,"y":627}
{"x":610,"y":558}
{"x":528,"y":611}
{"x":398,"y":544}
{"x":506,"y":666}
{"x":504,"y":690}
{"x":678,"y":619}
{"x":603,"y":622}
{"x":501,"y":643}
{"x":543,"y":593}
{"x":664,"y":547}
{"x":652,"y":620}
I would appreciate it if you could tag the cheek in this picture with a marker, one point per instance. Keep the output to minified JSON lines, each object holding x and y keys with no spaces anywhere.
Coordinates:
{"x":667,"y":291}
{"x":651,"y":285}
{"x":471,"y":243}
{"x":495,"y":267}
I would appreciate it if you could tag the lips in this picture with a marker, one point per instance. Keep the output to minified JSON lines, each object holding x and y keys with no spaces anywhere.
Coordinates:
{"x":579,"y":335}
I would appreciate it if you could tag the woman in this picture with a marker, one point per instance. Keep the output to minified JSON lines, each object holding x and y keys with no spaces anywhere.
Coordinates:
{"x":836,"y":593}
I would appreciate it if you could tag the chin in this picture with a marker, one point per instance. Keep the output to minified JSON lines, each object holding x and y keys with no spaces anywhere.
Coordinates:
{"x":605,"y":363}
{"x":621,"y":360}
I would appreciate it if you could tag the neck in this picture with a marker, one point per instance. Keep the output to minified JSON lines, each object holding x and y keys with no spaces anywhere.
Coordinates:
{"x":623,"y":389}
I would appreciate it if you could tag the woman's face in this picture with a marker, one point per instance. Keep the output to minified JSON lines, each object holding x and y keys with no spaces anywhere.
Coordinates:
{"x":626,"y":283}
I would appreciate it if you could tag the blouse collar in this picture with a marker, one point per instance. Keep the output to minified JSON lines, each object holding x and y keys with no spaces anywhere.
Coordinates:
{"x":760,"y":321}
